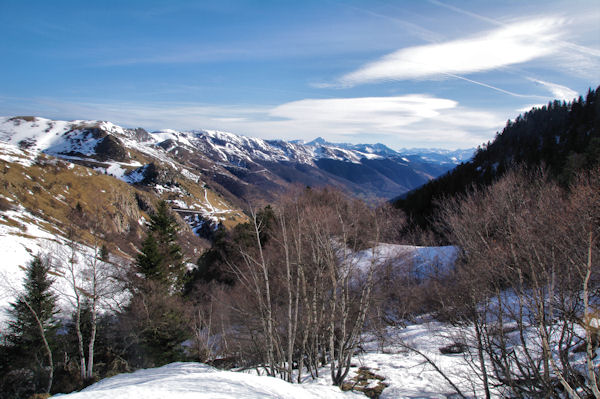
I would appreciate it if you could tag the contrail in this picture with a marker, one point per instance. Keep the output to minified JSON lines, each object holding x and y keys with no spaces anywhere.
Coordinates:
{"x":493,"y":87}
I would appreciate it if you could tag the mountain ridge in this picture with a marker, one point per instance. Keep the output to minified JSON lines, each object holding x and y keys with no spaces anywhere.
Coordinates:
{"x":225,"y":153}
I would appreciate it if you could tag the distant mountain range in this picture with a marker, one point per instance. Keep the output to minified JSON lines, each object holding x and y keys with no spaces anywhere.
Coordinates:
{"x":241,"y":169}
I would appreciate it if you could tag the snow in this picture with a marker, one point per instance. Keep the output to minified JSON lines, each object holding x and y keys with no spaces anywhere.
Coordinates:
{"x":42,"y":133}
{"x":19,"y":245}
{"x":122,"y":171}
{"x":13,"y":154}
{"x":423,"y":262}
{"x":370,"y":155}
{"x":406,"y":374}
{"x":196,"y":380}
{"x":65,"y":139}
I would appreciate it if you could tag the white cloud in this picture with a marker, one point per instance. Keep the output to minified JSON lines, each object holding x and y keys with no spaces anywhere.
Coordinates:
{"x":528,"y":108}
{"x":410,"y":120}
{"x":373,"y":111}
{"x":558,"y":91}
{"x":510,"y":44}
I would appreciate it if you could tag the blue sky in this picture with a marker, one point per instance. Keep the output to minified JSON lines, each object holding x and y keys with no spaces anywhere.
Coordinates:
{"x":445,"y":74}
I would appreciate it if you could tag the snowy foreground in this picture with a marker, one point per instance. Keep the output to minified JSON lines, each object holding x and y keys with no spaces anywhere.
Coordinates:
{"x":405,"y":372}
{"x":196,"y":380}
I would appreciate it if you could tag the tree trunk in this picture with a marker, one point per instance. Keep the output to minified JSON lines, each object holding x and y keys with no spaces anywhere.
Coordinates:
{"x":46,"y":346}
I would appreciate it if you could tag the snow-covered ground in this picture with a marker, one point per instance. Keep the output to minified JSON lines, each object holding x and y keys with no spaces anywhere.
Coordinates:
{"x":196,"y":380}
{"x":421,"y":262}
{"x":406,"y":374}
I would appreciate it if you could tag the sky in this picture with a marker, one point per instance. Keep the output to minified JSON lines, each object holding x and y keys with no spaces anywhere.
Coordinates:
{"x":406,"y":73}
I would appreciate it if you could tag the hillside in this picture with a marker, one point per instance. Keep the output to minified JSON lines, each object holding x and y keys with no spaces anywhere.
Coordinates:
{"x":209,"y":177}
{"x":563,"y":137}
{"x":59,"y":178}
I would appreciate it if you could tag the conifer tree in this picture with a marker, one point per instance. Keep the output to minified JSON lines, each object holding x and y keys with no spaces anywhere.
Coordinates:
{"x":33,"y":324}
{"x":161,"y":259}
{"x":156,"y":312}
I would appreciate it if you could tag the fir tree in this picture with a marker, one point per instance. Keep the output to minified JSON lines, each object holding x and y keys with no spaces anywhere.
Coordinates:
{"x":33,"y":325}
{"x":161,"y":259}
{"x":156,"y":312}
{"x":150,"y":260}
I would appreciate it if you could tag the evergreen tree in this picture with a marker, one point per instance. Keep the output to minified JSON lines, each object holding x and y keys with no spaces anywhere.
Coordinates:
{"x":161,"y":259}
{"x":150,"y":260}
{"x":155,"y":316}
{"x":32,"y":327}
{"x":563,"y":138}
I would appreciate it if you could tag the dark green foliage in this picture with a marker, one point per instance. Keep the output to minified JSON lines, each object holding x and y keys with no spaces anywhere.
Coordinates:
{"x":212,"y":264}
{"x":150,"y":260}
{"x":23,"y":357}
{"x":565,"y":138}
{"x":104,"y":253}
{"x":23,"y":326}
{"x":243,"y":234}
{"x":162,"y":338}
{"x":154,"y":325}
{"x":163,"y":223}
{"x":161,"y":259}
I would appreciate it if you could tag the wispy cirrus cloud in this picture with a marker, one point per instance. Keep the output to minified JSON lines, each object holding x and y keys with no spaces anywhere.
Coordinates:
{"x":509,"y":44}
{"x":559,"y":92}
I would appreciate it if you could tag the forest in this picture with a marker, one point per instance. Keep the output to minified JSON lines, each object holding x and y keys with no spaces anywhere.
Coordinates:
{"x":561,"y":137}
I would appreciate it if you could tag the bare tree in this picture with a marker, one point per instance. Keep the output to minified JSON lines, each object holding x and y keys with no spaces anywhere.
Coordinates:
{"x":310,"y":295}
{"x":527,"y":265}
{"x":88,"y":272}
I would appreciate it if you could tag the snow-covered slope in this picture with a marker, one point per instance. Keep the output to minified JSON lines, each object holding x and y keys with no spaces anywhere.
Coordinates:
{"x":123,"y":153}
{"x":421,"y":262}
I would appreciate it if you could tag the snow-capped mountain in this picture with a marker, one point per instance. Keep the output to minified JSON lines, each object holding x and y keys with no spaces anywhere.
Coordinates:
{"x":438,"y":155}
{"x":50,"y":168}
{"x":239,"y":167}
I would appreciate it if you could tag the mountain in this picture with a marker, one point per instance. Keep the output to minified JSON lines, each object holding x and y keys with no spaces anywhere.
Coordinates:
{"x":238,"y":168}
{"x":562,"y":137}
{"x":438,"y":155}
{"x":49,"y":168}
{"x":57,"y":176}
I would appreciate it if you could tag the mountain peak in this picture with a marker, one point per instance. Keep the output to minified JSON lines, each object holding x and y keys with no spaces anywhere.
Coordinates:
{"x":318,"y":141}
